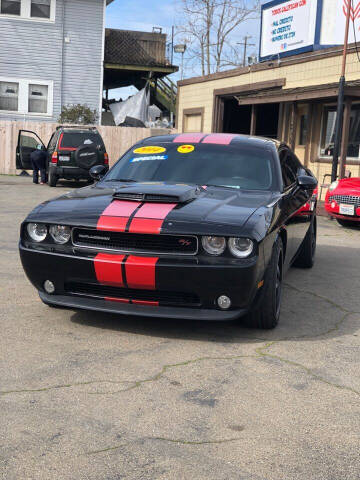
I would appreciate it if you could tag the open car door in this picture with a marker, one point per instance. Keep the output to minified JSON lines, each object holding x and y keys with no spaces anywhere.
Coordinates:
{"x":27,"y":143}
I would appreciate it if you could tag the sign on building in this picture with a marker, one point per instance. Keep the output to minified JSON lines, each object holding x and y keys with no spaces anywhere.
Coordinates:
{"x":298,"y":26}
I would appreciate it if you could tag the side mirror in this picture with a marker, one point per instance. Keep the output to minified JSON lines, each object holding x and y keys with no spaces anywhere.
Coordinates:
{"x":307,"y":182}
{"x":98,"y":171}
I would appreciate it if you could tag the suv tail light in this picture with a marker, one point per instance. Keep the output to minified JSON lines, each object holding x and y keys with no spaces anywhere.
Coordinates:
{"x":106,"y":159}
{"x":54,"y":157}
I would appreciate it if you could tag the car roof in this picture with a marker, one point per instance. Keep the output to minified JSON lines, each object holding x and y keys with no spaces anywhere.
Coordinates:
{"x":78,"y":129}
{"x":217,"y":138}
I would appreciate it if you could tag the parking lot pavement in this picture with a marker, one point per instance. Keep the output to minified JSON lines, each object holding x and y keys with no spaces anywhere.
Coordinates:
{"x":92,"y":396}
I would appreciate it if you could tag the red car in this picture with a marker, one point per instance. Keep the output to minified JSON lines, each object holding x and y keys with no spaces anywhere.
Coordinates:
{"x":343,"y":201}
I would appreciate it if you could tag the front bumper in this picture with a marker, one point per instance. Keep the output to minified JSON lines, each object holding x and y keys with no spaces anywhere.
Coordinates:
{"x":105,"y":306}
{"x":334,"y":211}
{"x":175,"y":278}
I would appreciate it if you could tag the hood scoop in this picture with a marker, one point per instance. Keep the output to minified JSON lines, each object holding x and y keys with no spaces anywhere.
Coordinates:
{"x":157,"y":192}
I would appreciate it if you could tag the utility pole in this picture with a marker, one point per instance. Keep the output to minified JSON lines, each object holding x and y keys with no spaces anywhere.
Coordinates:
{"x":246,"y":44}
{"x":340,"y":101}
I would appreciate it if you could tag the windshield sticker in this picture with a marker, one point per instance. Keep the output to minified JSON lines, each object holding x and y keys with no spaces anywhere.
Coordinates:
{"x":186,"y":148}
{"x":88,"y":141}
{"x":150,"y":149}
{"x":145,"y":159}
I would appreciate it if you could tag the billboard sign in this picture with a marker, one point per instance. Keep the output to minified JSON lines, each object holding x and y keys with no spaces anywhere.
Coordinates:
{"x":333,"y":21}
{"x":287,"y":27}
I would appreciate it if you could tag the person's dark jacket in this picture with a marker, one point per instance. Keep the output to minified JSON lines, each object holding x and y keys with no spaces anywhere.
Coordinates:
{"x":38,"y":158}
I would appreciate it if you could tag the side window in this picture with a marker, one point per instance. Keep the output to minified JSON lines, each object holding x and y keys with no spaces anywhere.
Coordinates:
{"x":52,"y":142}
{"x":287,"y":170}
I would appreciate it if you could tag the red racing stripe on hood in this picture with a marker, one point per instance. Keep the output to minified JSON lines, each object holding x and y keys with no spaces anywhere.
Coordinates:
{"x":116,"y":215}
{"x":140,"y":272}
{"x":150,"y":218}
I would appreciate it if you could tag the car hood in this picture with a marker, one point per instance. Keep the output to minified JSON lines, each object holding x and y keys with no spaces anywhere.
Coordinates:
{"x":348,"y":186}
{"x":212,"y":210}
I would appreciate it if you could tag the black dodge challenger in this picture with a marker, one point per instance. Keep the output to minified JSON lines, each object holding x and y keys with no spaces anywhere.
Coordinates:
{"x":188,"y":226}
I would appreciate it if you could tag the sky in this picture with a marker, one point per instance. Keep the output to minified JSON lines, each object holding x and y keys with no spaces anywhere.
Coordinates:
{"x":146,"y":14}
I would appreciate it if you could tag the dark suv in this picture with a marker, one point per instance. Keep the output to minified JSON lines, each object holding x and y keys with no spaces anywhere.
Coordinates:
{"x":72,"y":151}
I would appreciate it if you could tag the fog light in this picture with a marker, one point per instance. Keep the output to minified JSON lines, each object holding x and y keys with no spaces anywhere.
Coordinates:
{"x":49,"y":286}
{"x":333,"y":204}
{"x":224,"y":302}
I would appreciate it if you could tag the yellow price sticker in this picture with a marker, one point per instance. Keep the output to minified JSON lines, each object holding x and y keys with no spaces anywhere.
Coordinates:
{"x":150,"y":150}
{"x":186,"y":148}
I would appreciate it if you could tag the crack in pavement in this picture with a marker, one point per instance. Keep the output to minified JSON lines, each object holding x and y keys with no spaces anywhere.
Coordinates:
{"x":190,"y":442}
{"x":164,"y":369}
{"x":259,"y":352}
{"x":171,"y":440}
{"x":108,"y":449}
{"x":66,"y":385}
{"x":135,"y":383}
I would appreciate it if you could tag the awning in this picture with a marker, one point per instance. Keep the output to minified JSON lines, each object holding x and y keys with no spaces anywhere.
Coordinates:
{"x":312,"y":92}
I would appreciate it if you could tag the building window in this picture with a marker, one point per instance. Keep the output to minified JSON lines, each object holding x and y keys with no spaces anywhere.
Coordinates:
{"x":40,"y":8}
{"x":38,"y":98}
{"x":9,"y":96}
{"x":26,"y":96}
{"x":37,"y":10}
{"x":10,"y":7}
{"x":303,"y":130}
{"x":328,"y":132}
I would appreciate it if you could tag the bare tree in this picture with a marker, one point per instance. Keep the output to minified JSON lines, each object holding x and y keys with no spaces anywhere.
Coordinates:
{"x":207,"y":27}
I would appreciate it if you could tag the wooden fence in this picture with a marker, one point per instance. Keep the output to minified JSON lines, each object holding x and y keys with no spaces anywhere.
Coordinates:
{"x":117,"y":139}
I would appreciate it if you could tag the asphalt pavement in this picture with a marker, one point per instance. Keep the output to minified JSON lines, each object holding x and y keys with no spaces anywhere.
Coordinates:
{"x":102,"y":397}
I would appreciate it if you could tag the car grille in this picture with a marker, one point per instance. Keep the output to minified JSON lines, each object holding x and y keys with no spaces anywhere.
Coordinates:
{"x":102,"y":291}
{"x":134,"y":242}
{"x":347,"y":199}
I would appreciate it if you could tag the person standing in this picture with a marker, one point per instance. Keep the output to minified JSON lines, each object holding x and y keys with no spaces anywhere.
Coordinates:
{"x":38,"y":160}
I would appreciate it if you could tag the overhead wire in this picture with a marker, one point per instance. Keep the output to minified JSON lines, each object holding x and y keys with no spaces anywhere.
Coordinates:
{"x":354,"y":30}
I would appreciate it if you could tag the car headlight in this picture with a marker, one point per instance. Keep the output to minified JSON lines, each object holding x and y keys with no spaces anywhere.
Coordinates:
{"x":241,"y":247}
{"x":60,"y":233}
{"x":37,"y":231}
{"x":333,"y":185}
{"x":214,"y":245}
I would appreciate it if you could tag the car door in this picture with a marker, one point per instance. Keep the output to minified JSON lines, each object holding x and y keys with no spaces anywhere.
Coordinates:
{"x":293,"y":199}
{"x":27,"y":143}
{"x":52,"y":146}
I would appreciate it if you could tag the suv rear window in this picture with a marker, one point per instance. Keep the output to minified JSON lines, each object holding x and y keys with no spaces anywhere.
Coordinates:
{"x":75,"y":139}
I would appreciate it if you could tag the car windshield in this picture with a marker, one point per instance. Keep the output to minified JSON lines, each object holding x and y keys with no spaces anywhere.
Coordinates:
{"x":75,"y":139}
{"x":237,"y":166}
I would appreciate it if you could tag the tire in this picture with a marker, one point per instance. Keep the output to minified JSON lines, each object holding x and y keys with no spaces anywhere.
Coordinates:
{"x":52,"y":181}
{"x":347,"y":223}
{"x":86,"y":156}
{"x":266,"y":313}
{"x":306,"y":256}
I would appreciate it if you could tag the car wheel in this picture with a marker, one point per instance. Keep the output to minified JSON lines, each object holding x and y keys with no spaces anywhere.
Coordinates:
{"x":52,"y":179}
{"x":306,"y":256}
{"x":266,"y":312}
{"x":347,"y":223}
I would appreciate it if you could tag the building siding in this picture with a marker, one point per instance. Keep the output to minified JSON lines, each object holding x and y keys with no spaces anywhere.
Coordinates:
{"x":315,"y":72}
{"x":35,"y":50}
